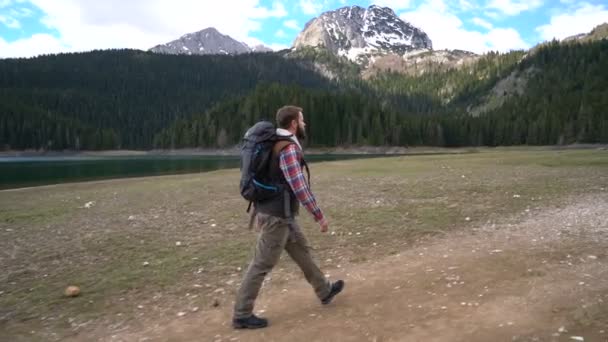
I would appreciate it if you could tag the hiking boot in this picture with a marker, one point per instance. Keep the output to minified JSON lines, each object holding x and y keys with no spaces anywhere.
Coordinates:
{"x":335,"y":289}
{"x":251,"y":322}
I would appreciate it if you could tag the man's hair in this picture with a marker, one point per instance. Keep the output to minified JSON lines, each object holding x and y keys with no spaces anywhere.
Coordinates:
{"x":286,"y":114}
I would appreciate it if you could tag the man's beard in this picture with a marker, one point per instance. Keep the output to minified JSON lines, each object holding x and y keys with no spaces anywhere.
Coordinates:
{"x":301,"y":133}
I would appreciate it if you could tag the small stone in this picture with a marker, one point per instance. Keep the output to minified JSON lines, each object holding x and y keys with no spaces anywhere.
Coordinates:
{"x":516,"y":196}
{"x":577,"y":338}
{"x":581,"y":283}
{"x":592,"y":257}
{"x":140,"y":306}
{"x":195,"y":309}
{"x":213,"y":225}
{"x":72,"y":291}
{"x":562,"y":329}
{"x":467,"y":218}
{"x":131,"y":217}
{"x":178,"y":243}
{"x":181,"y":314}
{"x":145,"y":263}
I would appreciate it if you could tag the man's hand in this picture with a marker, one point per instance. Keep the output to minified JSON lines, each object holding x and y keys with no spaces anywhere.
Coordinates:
{"x":324,"y":226}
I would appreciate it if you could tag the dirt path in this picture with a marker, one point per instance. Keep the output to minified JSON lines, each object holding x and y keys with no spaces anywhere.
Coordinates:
{"x":540,"y":276}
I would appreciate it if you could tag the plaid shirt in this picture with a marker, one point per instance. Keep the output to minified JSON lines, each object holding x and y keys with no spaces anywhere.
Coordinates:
{"x":289,"y":161}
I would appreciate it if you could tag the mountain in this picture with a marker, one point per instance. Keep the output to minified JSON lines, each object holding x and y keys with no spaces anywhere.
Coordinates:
{"x":361,"y":34}
{"x":598,"y":33}
{"x":420,"y":62}
{"x":207,"y":42}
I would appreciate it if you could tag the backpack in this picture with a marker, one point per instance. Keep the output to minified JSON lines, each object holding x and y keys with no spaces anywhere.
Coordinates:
{"x":256,"y":152}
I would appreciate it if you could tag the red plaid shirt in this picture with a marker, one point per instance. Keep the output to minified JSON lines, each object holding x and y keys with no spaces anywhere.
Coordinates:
{"x":289,"y":161}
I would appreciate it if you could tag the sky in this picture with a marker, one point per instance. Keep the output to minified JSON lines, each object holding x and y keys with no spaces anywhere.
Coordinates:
{"x":33,"y":27}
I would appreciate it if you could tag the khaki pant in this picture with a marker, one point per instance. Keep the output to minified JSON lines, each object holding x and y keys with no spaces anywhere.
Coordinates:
{"x":277,"y":234}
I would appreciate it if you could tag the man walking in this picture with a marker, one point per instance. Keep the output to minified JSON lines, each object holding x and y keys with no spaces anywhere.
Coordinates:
{"x":278,"y":227}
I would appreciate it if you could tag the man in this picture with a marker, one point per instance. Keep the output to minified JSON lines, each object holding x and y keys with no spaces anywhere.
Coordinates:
{"x":278,"y":228}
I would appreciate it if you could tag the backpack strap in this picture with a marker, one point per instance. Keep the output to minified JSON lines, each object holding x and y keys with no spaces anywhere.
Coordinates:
{"x":280,"y":145}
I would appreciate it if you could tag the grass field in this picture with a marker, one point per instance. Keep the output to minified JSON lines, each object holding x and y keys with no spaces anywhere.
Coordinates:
{"x":152,"y":247}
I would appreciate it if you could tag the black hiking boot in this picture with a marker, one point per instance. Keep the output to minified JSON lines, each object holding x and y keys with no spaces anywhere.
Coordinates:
{"x":335,"y":289}
{"x":251,"y":322}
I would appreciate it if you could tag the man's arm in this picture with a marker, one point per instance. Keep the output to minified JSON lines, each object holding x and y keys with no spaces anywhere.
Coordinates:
{"x":292,"y":170}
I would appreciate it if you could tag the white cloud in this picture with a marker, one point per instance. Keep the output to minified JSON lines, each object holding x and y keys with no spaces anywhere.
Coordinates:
{"x":514,"y":7}
{"x":278,"y":11}
{"x":280,"y":33}
{"x":446,"y":31}
{"x":11,"y":17}
{"x":466,"y":5}
{"x":582,"y":20}
{"x":492,"y":14}
{"x":84,"y":25}
{"x":10,"y":22}
{"x":38,"y":44}
{"x":292,"y":24}
{"x":483,"y":23}
{"x":311,"y":7}
{"x":393,"y":4}
{"x":277,"y":47}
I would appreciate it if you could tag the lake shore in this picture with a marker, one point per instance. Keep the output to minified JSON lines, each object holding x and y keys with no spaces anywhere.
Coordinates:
{"x":234,"y":151}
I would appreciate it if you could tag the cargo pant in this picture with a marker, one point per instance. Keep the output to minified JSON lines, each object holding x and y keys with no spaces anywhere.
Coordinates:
{"x":277,"y":234}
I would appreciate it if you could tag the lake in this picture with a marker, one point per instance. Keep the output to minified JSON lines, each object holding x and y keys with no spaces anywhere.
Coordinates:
{"x":17,"y":172}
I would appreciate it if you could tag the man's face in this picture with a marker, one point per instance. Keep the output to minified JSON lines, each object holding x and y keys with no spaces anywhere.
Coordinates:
{"x":301,"y":132}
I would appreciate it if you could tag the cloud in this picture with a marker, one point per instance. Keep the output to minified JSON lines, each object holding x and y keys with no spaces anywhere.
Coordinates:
{"x":277,"y":47}
{"x":292,"y":24}
{"x":448,"y":32}
{"x":311,"y":7}
{"x":492,"y":14}
{"x":393,"y":4}
{"x":582,"y":20}
{"x":482,"y":23}
{"x":466,"y":5}
{"x":514,"y":7}
{"x":280,"y":33}
{"x":38,"y":43}
{"x":10,"y":22}
{"x":11,"y":17}
{"x":84,"y":25}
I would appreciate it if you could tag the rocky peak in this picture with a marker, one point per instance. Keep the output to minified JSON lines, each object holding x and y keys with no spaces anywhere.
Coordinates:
{"x":359,"y":33}
{"x":206,"y":42}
